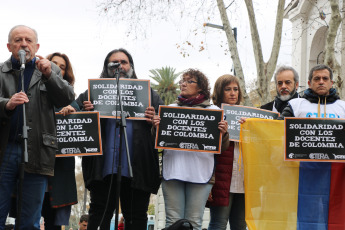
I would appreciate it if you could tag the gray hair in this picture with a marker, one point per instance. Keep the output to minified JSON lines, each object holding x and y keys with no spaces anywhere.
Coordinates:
{"x":320,"y":67}
{"x":286,"y":68}
{"x":17,"y":26}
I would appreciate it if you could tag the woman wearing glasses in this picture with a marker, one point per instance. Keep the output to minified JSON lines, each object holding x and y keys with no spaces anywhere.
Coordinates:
{"x":187,"y":175}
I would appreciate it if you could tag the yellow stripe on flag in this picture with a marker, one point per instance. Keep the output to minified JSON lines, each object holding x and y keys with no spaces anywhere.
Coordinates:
{"x":271,"y":184}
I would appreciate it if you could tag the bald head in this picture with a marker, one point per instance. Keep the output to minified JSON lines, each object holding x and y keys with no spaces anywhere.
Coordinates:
{"x":23,"y":38}
{"x":18,"y":26}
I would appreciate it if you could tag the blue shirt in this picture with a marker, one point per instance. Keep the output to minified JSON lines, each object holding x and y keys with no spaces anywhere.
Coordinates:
{"x":112,"y":147}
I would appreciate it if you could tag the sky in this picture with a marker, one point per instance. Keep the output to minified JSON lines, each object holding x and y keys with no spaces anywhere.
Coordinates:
{"x":76,"y":28}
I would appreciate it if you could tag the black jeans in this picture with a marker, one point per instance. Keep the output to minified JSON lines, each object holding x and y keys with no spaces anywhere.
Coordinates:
{"x":134,"y":205}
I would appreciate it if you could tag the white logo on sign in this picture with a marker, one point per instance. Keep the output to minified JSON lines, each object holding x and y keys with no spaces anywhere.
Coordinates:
{"x":342,"y":157}
{"x":209,"y":147}
{"x":91,"y":150}
{"x":139,"y":114}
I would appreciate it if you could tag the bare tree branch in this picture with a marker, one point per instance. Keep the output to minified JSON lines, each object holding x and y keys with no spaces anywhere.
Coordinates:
{"x":233,"y":49}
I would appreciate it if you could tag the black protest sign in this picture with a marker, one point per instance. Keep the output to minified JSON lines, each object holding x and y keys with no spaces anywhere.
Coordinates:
{"x":78,"y":134}
{"x":233,"y":114}
{"x":135,"y":95}
{"x":190,"y":129}
{"x":314,"y":139}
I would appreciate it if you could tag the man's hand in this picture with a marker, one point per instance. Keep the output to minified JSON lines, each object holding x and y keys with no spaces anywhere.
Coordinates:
{"x":149,"y":113}
{"x":17,"y":99}
{"x":156,"y":120}
{"x":87,"y":105}
{"x":44,"y":66}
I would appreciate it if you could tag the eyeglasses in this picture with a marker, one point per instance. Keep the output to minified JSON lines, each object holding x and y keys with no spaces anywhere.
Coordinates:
{"x":187,"y":81}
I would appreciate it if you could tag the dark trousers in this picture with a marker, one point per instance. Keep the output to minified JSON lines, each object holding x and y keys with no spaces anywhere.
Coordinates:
{"x":134,"y":205}
{"x":48,"y":214}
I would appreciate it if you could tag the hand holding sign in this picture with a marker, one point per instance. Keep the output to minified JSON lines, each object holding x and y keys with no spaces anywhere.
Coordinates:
{"x":223,"y":127}
{"x":149,"y":114}
{"x":67,"y":110}
{"x":88,"y":106}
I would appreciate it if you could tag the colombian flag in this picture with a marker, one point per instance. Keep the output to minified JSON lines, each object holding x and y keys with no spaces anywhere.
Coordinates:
{"x":286,"y":194}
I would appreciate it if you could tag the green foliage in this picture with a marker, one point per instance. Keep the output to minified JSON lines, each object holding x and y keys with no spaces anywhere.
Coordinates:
{"x":151,"y":209}
{"x":166,"y":88}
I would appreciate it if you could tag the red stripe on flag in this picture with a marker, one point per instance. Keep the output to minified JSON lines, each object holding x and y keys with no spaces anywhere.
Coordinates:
{"x":336,"y":213}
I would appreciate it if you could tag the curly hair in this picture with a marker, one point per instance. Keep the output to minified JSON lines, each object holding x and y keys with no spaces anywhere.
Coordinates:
{"x":202,"y":81}
{"x":218,"y":90}
{"x":69,"y":76}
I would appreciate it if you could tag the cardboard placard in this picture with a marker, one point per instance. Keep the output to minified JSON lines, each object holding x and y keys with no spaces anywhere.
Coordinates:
{"x":189,"y":129}
{"x":314,"y":139}
{"x":233,"y":113}
{"x":135,"y":94}
{"x":78,"y":134}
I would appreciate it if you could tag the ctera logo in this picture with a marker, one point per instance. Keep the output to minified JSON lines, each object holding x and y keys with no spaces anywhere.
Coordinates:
{"x":70,"y":150}
{"x":318,"y":156}
{"x":188,"y":145}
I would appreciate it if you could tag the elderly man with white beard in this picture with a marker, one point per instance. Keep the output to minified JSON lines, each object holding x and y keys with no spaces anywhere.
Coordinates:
{"x":286,"y":79}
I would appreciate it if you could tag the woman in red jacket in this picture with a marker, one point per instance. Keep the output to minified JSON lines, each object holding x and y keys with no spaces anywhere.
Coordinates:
{"x":226,"y":200}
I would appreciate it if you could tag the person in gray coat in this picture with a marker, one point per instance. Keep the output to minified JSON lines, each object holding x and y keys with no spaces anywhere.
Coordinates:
{"x":44,"y":89}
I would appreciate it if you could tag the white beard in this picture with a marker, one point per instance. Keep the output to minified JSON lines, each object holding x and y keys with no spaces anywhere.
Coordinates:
{"x":285,"y":97}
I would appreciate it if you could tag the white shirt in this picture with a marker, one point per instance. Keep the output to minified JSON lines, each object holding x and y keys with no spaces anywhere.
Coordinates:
{"x":237,"y":178}
{"x":188,"y":166}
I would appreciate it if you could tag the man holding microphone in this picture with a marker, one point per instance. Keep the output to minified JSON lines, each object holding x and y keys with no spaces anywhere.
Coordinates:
{"x":43,"y":90}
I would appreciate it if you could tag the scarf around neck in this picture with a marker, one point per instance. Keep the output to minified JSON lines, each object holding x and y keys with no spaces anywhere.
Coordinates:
{"x":191,"y":101}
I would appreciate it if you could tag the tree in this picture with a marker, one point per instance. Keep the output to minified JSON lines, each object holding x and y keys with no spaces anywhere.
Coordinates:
{"x":134,"y":11}
{"x":325,"y":16}
{"x":77,"y":209}
{"x":167,"y":88}
{"x":151,"y":209}
{"x":330,"y":59}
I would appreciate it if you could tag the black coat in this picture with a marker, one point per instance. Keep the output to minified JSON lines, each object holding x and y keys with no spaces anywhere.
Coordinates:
{"x":145,"y":157}
{"x":279,"y":104}
{"x":62,"y":186}
{"x":43,"y":94}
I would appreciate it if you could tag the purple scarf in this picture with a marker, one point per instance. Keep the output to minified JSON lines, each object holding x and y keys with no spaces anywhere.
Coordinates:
{"x":191,"y":101}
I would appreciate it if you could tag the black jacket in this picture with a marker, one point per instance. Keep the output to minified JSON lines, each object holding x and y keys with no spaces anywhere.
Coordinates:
{"x":279,"y":104}
{"x":145,"y":157}
{"x":44,"y":94}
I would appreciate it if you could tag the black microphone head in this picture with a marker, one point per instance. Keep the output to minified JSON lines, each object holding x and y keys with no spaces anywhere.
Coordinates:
{"x":22,"y":54}
{"x":114,"y":65}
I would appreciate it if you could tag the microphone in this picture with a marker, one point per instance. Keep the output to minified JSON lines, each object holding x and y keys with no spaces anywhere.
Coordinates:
{"x":22,"y":54}
{"x":113,"y":65}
